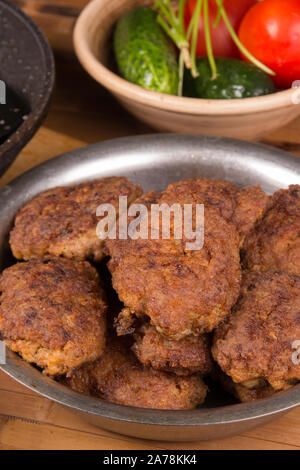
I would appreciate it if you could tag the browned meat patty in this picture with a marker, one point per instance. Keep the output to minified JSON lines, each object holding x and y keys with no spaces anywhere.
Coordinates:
{"x":62,"y":221}
{"x":118,"y":377}
{"x":183,"y":292}
{"x":256,"y":342}
{"x":52,"y":313}
{"x":257,"y":390}
{"x":275,"y":241}
{"x":242,"y":207}
{"x":184,"y":357}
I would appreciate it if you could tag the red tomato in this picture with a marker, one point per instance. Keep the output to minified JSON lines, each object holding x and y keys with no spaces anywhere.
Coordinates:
{"x":271,"y":32}
{"x":223,"y":46}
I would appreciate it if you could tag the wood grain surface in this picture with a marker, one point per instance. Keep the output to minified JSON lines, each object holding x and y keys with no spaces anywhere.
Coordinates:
{"x":81,"y":113}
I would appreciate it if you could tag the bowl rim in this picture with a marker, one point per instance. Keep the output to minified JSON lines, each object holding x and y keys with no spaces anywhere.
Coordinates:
{"x":129,"y":91}
{"x":30,"y":377}
{"x":26,"y":130}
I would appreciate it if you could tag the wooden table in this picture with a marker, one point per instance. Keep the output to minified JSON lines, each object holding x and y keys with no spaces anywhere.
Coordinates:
{"x":82,"y":113}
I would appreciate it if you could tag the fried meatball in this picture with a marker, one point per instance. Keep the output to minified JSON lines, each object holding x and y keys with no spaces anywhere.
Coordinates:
{"x":252,"y":391}
{"x":52,"y":313}
{"x":184,"y":357}
{"x":257,"y":341}
{"x":242,"y":207}
{"x":125,"y":322}
{"x":182,"y":292}
{"x":275,"y":241}
{"x":63,"y":221}
{"x":118,"y":377}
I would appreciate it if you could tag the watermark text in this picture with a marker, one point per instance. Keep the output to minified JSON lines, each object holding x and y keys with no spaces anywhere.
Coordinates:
{"x":164,"y":222}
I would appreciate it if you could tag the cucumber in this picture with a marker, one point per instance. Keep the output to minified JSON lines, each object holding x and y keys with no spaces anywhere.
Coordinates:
{"x":236,"y":79}
{"x":144,"y":54}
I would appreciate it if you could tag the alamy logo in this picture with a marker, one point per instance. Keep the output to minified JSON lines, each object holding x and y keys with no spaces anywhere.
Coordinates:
{"x":2,"y":353}
{"x":296,"y":353}
{"x":2,"y":92}
{"x":296,"y":94}
{"x":188,"y":222}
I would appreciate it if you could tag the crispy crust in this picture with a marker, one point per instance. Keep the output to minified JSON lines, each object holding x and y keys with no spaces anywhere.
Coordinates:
{"x":256,"y":341}
{"x":53,"y":313}
{"x":241,"y":207}
{"x":183,"y":292}
{"x":126,"y":322}
{"x":118,"y":377}
{"x":185,"y":357}
{"x":275,"y":242}
{"x":62,"y":221}
{"x":246,"y":394}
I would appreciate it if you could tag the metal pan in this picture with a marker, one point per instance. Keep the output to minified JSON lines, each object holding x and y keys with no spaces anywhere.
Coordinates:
{"x":154,"y":161}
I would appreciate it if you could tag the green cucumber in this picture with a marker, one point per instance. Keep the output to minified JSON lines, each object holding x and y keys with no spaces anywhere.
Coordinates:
{"x":144,"y":54}
{"x":236,"y":79}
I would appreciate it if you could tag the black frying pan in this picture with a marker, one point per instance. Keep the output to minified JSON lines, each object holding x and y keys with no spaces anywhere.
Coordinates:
{"x":27,"y":70}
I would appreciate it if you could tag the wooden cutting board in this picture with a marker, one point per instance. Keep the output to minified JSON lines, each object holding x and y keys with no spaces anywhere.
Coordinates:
{"x":81,"y":113}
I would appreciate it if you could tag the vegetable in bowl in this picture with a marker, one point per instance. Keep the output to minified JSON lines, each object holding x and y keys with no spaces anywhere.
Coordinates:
{"x":158,"y":47}
{"x":144,"y":54}
{"x":271,"y":31}
{"x":222,"y":42}
{"x":236,"y":79}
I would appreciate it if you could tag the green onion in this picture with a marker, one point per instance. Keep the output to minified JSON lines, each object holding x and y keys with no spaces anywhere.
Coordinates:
{"x":194,"y":32}
{"x":218,"y":16}
{"x":238,"y":43}
{"x":209,"y":49}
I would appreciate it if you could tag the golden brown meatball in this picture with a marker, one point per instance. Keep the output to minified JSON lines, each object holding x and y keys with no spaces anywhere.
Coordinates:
{"x":275,"y":241}
{"x":257,"y":341}
{"x":52,"y":312}
{"x":63,"y":221}
{"x":182,"y":292}
{"x":184,"y":357}
{"x":118,"y":377}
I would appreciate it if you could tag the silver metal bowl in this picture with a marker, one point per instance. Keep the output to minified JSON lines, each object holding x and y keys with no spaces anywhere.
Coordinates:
{"x":154,"y":161}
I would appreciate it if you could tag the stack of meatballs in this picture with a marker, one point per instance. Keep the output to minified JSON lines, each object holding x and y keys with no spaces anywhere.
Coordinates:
{"x":229,"y":311}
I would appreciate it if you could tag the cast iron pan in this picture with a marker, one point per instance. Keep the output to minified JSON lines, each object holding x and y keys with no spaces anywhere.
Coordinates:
{"x":27,"y":70}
